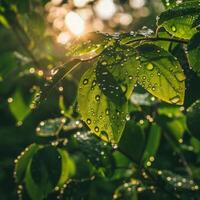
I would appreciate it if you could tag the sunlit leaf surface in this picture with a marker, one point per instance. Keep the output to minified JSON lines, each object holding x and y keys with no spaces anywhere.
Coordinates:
{"x":89,"y":46}
{"x":161,"y":74}
{"x":105,"y":118}
{"x":178,"y":20}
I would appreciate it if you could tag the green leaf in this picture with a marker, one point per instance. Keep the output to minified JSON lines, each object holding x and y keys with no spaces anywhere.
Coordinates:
{"x":132,"y":141}
{"x":196,"y":22}
{"x":19,"y":108}
{"x":22,"y":162}
{"x":116,"y":72}
{"x":49,"y":167}
{"x":172,"y":3}
{"x":34,"y":191}
{"x":178,"y":20}
{"x":174,"y":181}
{"x":104,"y":90}
{"x":161,"y":74}
{"x":58,"y":74}
{"x":194,"y":53}
{"x":7,"y":64}
{"x":105,"y":118}
{"x":4,"y":21}
{"x":153,"y":142}
{"x":89,"y":46}
{"x":50,"y":127}
{"x":193,"y":119}
{"x":67,"y":168}
{"x":172,"y":120}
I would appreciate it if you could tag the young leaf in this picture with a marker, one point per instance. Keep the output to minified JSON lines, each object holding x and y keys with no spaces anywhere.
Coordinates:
{"x":172,"y":120}
{"x":19,"y":108}
{"x":89,"y":46}
{"x":23,"y":160}
{"x":178,"y":20}
{"x":194,"y":53}
{"x":105,"y":118}
{"x":49,"y":167}
{"x":132,"y":141}
{"x":68,"y":167}
{"x":161,"y":74}
{"x":50,"y":127}
{"x":46,"y":168}
{"x":193,"y":119}
{"x":153,"y":142}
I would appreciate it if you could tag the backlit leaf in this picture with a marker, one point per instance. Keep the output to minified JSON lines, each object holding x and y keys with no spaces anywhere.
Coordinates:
{"x":23,"y":160}
{"x":161,"y":74}
{"x":105,"y":118}
{"x":178,"y":20}
{"x":153,"y":142}
{"x":89,"y":46}
{"x":132,"y":141}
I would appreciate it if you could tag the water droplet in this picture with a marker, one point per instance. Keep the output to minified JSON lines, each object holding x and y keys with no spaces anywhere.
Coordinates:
{"x":97,"y":97}
{"x":88,"y":121}
{"x":85,"y":81}
{"x":149,"y":66}
{"x":104,"y":63}
{"x":107,"y":112}
{"x":180,"y":76}
{"x":175,"y":99}
{"x":173,"y":28}
{"x":96,"y":129}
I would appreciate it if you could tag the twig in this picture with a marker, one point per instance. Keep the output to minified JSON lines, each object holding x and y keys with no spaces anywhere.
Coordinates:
{"x":158,"y":39}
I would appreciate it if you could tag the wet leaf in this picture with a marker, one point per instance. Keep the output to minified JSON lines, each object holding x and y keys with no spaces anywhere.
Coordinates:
{"x":50,"y":167}
{"x":132,"y":141}
{"x":50,"y":127}
{"x":153,"y":143}
{"x":58,"y":74}
{"x":194,"y":53}
{"x":172,"y":120}
{"x":105,"y":118}
{"x":193,"y":119}
{"x":22,"y":162}
{"x":67,"y":168}
{"x":116,"y":72}
{"x":89,"y":46}
{"x":161,"y":74}
{"x":178,"y":20}
{"x":18,"y":107}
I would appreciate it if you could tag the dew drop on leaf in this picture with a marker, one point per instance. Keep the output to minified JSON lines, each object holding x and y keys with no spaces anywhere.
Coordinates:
{"x":173,"y":28}
{"x":96,"y":129}
{"x":149,"y":66}
{"x":180,"y":76}
{"x":85,"y":81}
{"x":88,"y":121}
{"x":175,"y":99}
{"x":97,"y":97}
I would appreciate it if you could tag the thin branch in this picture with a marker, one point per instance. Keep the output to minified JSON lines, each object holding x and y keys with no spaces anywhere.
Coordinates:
{"x":158,"y":39}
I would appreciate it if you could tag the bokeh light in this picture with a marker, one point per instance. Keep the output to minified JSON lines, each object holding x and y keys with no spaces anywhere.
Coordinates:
{"x":74,"y":23}
{"x":73,"y":18}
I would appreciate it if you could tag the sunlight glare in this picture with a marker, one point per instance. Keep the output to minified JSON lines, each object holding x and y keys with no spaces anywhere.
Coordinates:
{"x":137,"y":3}
{"x":63,"y":37}
{"x":74,"y":23}
{"x":105,"y":9}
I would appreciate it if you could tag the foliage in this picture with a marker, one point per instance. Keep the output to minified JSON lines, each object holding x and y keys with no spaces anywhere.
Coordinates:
{"x":124,"y":126}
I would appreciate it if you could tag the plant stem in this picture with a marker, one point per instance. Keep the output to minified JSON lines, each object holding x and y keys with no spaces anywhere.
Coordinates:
{"x":158,"y":39}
